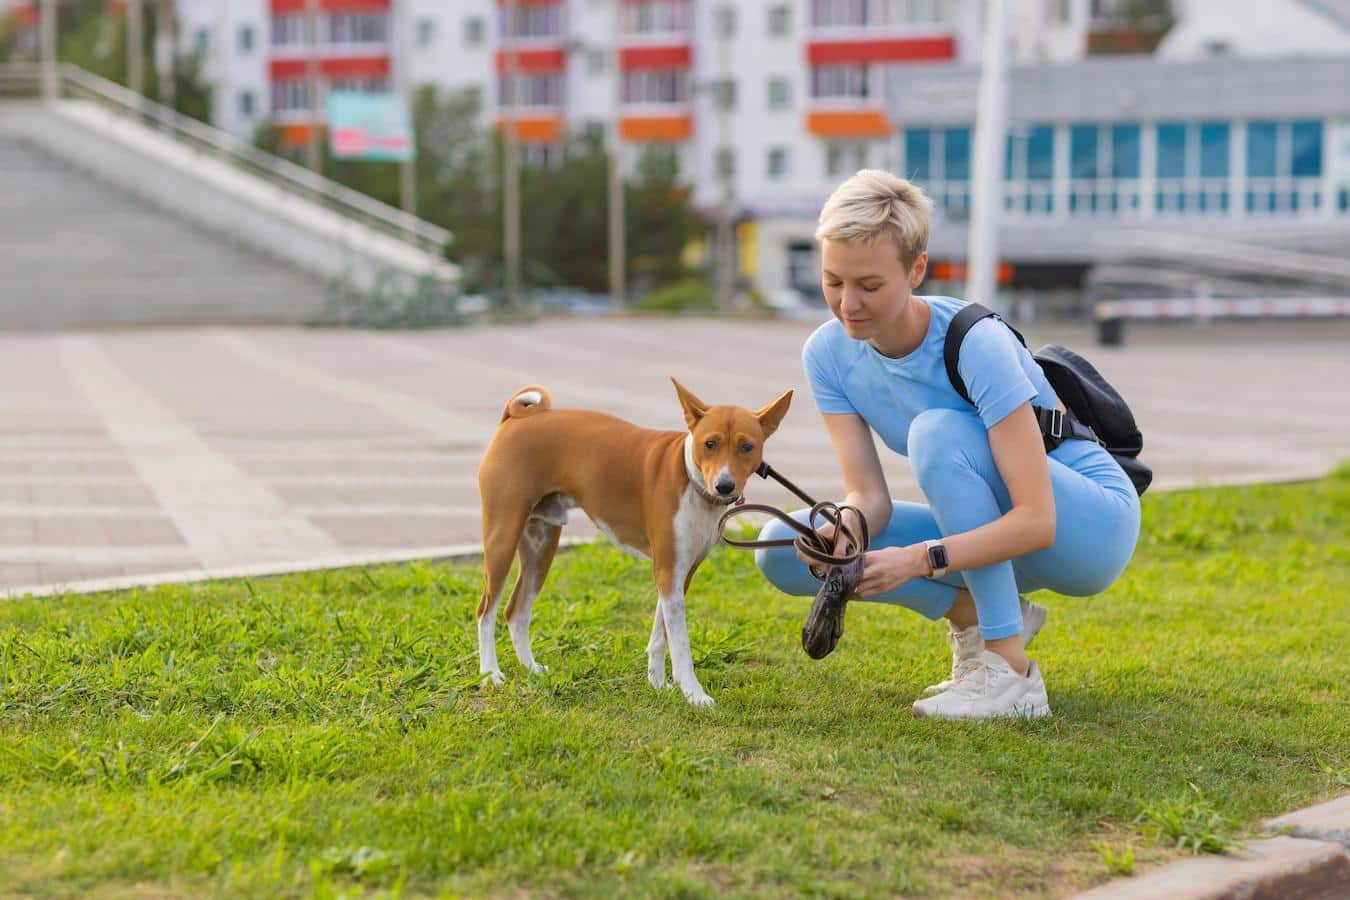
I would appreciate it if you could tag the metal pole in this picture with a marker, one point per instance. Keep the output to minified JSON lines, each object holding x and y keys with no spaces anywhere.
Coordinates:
{"x":313,"y":156}
{"x":407,"y":174}
{"x":511,"y":194}
{"x":135,"y":41}
{"x":617,"y":275}
{"x":51,"y":82}
{"x":166,"y":48}
{"x":986,"y":199}
{"x":726,"y":236}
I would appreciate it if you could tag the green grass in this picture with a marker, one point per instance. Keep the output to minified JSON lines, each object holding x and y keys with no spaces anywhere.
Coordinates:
{"x":325,"y":733}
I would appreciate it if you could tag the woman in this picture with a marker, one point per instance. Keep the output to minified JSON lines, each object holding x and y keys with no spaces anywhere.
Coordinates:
{"x":1008,"y":516}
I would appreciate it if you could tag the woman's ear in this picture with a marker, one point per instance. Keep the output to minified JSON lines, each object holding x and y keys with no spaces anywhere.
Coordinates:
{"x":917,"y":273}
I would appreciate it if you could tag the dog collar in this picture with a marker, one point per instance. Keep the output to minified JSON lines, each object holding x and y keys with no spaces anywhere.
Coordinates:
{"x":696,"y":477}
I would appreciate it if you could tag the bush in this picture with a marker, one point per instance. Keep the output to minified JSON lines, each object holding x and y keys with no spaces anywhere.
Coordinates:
{"x":690,"y":293}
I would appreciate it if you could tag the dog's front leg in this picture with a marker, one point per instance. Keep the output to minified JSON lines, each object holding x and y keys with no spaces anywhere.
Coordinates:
{"x":656,"y":650}
{"x":671,"y":585}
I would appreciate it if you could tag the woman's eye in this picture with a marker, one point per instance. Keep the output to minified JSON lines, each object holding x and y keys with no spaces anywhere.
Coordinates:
{"x":746,"y":448}
{"x":834,"y":284}
{"x":873,"y":289}
{"x":711,"y":443}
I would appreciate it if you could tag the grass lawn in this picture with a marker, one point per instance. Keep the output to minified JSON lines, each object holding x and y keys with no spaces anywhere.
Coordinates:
{"x":325,"y":733}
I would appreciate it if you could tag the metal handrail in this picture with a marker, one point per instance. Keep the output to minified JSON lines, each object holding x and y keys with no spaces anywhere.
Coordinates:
{"x":277,"y":171}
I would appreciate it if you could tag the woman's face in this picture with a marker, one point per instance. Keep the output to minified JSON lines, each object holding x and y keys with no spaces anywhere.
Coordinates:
{"x":866,"y":285}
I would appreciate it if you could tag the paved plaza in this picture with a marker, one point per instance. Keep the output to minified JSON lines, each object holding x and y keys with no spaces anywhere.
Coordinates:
{"x":127,"y":456}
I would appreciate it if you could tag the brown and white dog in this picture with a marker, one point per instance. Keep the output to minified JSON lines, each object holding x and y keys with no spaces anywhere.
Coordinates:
{"x":657,"y":494}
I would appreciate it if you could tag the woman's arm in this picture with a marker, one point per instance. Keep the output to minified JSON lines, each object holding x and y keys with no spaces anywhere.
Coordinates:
{"x":1019,"y":453}
{"x":864,"y":481}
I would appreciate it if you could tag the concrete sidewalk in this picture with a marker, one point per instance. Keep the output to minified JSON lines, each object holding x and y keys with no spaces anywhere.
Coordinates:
{"x":178,"y":451}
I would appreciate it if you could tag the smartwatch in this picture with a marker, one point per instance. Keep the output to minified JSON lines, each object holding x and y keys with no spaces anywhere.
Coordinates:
{"x":937,"y":558}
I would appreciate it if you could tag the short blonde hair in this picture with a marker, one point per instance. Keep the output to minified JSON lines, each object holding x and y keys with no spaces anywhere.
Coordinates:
{"x":873,"y":205}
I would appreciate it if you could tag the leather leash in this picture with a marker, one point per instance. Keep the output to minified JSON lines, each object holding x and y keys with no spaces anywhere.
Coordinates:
{"x":809,"y":540}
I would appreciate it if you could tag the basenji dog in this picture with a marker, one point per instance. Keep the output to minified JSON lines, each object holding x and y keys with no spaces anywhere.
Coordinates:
{"x":657,"y":494}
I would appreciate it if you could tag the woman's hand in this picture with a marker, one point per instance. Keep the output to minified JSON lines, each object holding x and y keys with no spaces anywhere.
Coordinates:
{"x":885,"y":570}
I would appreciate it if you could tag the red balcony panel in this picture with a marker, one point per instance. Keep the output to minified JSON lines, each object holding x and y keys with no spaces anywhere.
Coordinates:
{"x":825,"y":53}
{"x":534,"y":60}
{"x":680,"y":56}
{"x":332,"y":67}
{"x":282,"y":7}
{"x":25,"y":16}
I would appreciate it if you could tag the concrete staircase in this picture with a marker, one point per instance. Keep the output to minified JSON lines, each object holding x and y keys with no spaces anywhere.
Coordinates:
{"x":77,"y":252}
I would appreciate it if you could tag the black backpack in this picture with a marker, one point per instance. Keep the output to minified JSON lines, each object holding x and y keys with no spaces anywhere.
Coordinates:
{"x":1096,"y":411}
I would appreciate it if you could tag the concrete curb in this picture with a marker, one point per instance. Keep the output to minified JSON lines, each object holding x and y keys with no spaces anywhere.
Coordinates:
{"x":259,"y":570}
{"x":1308,"y":860}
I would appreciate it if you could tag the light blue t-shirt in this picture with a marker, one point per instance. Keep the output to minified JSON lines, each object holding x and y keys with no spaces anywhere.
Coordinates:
{"x":848,"y":376}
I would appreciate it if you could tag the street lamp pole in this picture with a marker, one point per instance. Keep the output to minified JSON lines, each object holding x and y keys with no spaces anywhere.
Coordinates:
{"x":312,"y":153}
{"x":407,"y":175}
{"x":135,"y":36}
{"x":990,"y":129}
{"x":511,"y":192}
{"x":616,"y":199}
{"x":51,"y":82}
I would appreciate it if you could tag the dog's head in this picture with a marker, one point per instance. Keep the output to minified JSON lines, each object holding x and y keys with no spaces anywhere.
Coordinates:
{"x":727,"y":442}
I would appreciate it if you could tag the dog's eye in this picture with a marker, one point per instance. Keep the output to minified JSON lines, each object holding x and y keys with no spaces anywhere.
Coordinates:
{"x":747,"y":447}
{"x":711,"y":443}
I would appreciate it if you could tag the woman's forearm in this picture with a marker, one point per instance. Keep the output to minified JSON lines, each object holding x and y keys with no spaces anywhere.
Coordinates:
{"x":1016,"y":533}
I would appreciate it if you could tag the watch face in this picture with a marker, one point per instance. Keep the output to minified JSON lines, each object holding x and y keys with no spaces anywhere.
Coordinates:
{"x":937,"y":556}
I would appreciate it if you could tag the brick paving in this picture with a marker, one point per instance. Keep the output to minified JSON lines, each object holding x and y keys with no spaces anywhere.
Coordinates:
{"x":124,"y":454}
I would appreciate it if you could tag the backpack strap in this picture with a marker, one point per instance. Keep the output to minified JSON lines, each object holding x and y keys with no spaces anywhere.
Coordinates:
{"x":1056,"y":427}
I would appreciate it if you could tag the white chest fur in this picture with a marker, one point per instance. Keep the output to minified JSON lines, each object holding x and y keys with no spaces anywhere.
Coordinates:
{"x":695,"y":529}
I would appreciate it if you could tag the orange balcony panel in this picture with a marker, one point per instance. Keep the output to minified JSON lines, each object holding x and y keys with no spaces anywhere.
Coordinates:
{"x":958,"y":271}
{"x":656,"y":128}
{"x":534,"y":60}
{"x":827,"y":53}
{"x":851,"y":124}
{"x":680,"y":56}
{"x":537,"y":129}
{"x":297,"y":135}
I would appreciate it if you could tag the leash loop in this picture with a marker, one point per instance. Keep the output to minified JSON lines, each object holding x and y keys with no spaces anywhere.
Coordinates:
{"x":809,"y":541}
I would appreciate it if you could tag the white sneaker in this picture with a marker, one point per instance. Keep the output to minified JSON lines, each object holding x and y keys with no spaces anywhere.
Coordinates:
{"x":966,"y":644}
{"x":989,"y":689}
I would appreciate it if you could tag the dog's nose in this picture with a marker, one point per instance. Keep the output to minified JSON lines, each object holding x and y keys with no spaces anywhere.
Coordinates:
{"x":726,"y":487}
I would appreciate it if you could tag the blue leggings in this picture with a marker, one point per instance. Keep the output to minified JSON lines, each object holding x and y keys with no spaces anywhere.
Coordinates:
{"x":1096,"y":525}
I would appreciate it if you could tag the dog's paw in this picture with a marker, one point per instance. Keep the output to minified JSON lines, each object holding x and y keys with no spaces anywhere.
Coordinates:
{"x":657,"y":676}
{"x":493,"y":678}
{"x":698,"y":698}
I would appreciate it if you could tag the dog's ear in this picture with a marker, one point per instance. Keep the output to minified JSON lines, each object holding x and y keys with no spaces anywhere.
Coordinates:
{"x":772,"y":415}
{"x":694,"y":408}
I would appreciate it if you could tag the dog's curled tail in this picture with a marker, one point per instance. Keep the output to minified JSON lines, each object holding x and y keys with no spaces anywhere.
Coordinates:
{"x":531,"y":399}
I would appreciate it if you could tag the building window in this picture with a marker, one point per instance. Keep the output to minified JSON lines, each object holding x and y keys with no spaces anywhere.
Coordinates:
{"x":914,"y":12}
{"x":724,"y":93}
{"x":378,"y":85}
{"x":840,"y":82}
{"x":540,"y":156}
{"x":839,"y":13}
{"x":654,"y":17}
{"x":532,"y":89}
{"x":358,"y":28}
{"x":780,"y":93}
{"x":726,"y":21}
{"x":1029,"y":169}
{"x":780,"y":20}
{"x":288,"y":31}
{"x":778,"y":162}
{"x":659,"y":160}
{"x":246,"y":104}
{"x":202,"y":42}
{"x":532,"y":21}
{"x":473,"y":32}
{"x":595,"y":62}
{"x":291,"y":95}
{"x":1104,"y":169}
{"x":939,"y":160}
{"x":1192,"y":169}
{"x":655,"y":86}
{"x":246,"y":39}
{"x":844,"y":158}
{"x":726,"y":162}
{"x":426,"y":32}
{"x":1284,"y":166}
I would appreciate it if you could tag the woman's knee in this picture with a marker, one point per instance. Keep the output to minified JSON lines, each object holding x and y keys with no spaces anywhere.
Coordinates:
{"x":941,"y":438}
